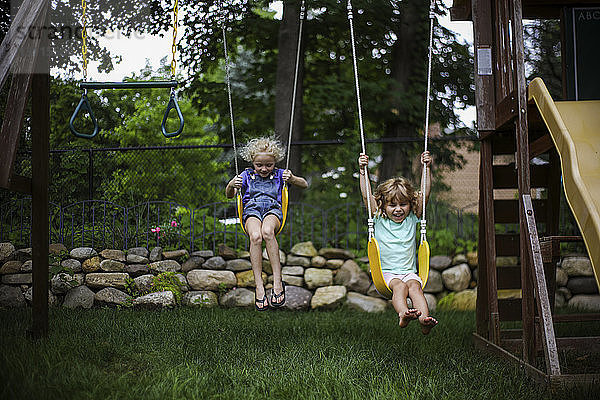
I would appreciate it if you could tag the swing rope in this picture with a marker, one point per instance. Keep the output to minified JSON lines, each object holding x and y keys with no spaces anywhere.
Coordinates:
{"x":360,"y":119}
{"x":237,"y":171}
{"x":426,"y":133}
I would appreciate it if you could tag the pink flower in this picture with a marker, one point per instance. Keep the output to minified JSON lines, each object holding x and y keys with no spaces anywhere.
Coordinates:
{"x":174,"y":223}
{"x":153,"y":230}
{"x":157,"y":229}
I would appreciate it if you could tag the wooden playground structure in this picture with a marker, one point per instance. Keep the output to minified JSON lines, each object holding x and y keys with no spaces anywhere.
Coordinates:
{"x":515,"y":126}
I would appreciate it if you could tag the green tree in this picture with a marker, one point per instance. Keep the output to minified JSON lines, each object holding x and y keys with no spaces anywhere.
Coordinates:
{"x":543,"y":54}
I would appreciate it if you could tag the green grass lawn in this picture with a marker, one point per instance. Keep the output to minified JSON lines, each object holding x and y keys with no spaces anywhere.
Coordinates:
{"x":242,"y":354}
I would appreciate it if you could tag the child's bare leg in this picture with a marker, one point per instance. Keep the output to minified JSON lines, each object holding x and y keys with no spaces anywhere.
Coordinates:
{"x":269,"y":227}
{"x":420,"y":303}
{"x":399,"y":295}
{"x":253,"y":227}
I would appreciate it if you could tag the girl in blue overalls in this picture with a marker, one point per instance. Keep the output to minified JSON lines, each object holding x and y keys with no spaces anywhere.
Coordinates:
{"x":262,"y":216}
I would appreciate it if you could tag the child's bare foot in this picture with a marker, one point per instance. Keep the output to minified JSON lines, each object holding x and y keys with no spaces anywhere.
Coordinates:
{"x":409,"y":315}
{"x":427,"y":324}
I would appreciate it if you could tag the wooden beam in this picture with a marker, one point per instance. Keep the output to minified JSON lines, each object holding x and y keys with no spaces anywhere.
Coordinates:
{"x":485,"y":100}
{"x":506,"y":110}
{"x":540,"y":146}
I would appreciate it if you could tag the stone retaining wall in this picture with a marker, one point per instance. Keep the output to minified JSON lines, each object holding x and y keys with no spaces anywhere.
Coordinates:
{"x":315,"y":279}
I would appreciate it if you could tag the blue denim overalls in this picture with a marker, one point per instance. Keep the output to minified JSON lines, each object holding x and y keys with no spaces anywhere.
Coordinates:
{"x":262,"y":196}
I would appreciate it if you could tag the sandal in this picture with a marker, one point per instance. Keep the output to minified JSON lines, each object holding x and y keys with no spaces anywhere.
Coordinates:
{"x":275,"y":298}
{"x":264,"y":304}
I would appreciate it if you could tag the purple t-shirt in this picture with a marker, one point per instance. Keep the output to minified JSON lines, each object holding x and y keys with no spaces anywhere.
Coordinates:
{"x":254,"y":186}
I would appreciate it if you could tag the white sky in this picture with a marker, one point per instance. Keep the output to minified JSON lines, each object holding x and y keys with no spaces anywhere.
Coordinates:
{"x":141,"y":49}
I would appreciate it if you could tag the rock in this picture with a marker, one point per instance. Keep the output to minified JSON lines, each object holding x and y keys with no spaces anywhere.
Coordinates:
{"x":434,"y":282}
{"x":214,"y":263}
{"x":317,"y":277}
{"x":52,"y":299}
{"x":561,"y":277}
{"x":577,"y":266}
{"x":164,"y":266}
{"x":203,"y":253}
{"x":155,"y":301}
{"x":559,"y":300}
{"x":374,"y":293}
{"x":191,"y":263}
{"x":472,"y":259}
{"x":292,"y":280}
{"x":80,"y":296}
{"x":24,"y":254}
{"x":106,"y":279}
{"x":297,"y":260}
{"x":143,"y":283}
{"x":10,"y":296}
{"x":566,"y":293}
{"x":297,"y":298}
{"x":459,"y":301}
{"x":440,"y":263}
{"x":585,"y":302}
{"x":267,"y":267}
{"x":238,"y":297}
{"x":246,"y":278}
{"x":334,"y":263}
{"x":582,"y":285}
{"x":71,"y":264}
{"x":177,"y":255}
{"x":11,"y":267}
{"x":431,"y":302}
{"x":83,"y":253}
{"x":201,"y":279}
{"x":6,"y":252}
{"x":329,"y":252}
{"x":137,"y":259}
{"x":459,"y":259}
{"x":111,"y":266}
{"x":352,"y":277}
{"x":27,"y":266}
{"x":328,"y":298}
{"x":91,"y":264}
{"x":457,"y":278}
{"x":226,"y":252}
{"x":17,"y":279}
{"x":476,"y":275}
{"x":318,"y":261}
{"x":294,"y":271}
{"x":282,"y":258}
{"x":110,"y":297}
{"x":136,"y":269}
{"x":184,"y":285}
{"x":304,"y":249}
{"x":110,"y":254}
{"x":155,"y":254}
{"x":57,"y":248}
{"x":238,"y":265}
{"x":201,"y":298}
{"x":138,"y":251}
{"x":63,"y":282}
{"x":357,"y":301}
{"x":243,"y":254}
{"x":512,"y":261}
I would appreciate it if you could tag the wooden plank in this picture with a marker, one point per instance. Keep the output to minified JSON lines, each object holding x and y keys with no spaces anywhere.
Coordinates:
{"x":540,"y":146}
{"x":505,"y":176}
{"x":507,"y":244}
{"x":484,"y":84}
{"x":507,"y":211}
{"x":509,"y":277}
{"x":590,"y":344}
{"x":560,"y":318}
{"x":506,"y":111}
{"x":510,"y":309}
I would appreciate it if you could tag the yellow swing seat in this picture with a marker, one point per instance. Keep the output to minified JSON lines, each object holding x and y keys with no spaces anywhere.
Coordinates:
{"x":284,"y":207}
{"x":377,"y":274}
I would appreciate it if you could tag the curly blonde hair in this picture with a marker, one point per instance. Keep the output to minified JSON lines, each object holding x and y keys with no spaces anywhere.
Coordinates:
{"x":395,"y":189}
{"x":266,"y":144}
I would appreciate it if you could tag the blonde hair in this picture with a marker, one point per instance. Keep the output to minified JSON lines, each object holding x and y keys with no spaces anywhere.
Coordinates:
{"x":398,"y":189}
{"x":266,"y":144}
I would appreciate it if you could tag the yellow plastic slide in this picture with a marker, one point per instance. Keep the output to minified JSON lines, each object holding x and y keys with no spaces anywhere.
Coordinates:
{"x":575,"y":130}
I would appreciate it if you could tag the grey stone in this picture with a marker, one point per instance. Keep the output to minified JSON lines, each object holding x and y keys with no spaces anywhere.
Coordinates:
{"x":457,"y":278}
{"x":334,"y":263}
{"x":110,"y":297}
{"x":440,"y":263}
{"x":200,"y":279}
{"x":6,"y":251}
{"x":214,"y":263}
{"x":585,"y":302}
{"x":143,"y":283}
{"x":282,"y":257}
{"x":11,"y":267}
{"x":91,"y":264}
{"x":318,"y":261}
{"x":27,"y":266}
{"x":184,"y":285}
{"x":17,"y":279}
{"x":201,"y":298}
{"x":239,"y":297}
{"x":434,"y":282}
{"x":431,"y":302}
{"x":177,"y":255}
{"x":111,"y":266}
{"x":155,"y":301}
{"x":138,"y":251}
{"x":203,"y":253}
{"x":295,"y":271}
{"x":246,"y":278}
{"x":164,"y":266}
{"x":292,"y":280}
{"x":192,"y":263}
{"x":155,"y":254}
{"x":460,"y":259}
{"x":57,"y":248}
{"x":297,"y":260}
{"x":243,"y":254}
{"x":136,"y":259}
{"x":63,"y":282}
{"x":328,"y":297}
{"x":472,"y":259}
{"x":106,"y":279}
{"x":559,"y":300}
{"x":297,"y":298}
{"x":71,"y":264}
{"x":83,"y":253}
{"x":354,"y":278}
{"x":226,"y":252}
{"x":360,"y":302}
{"x":24,"y":254}
{"x":304,"y":249}
{"x":318,"y":277}
{"x":267,"y":267}
{"x":577,"y":266}
{"x":374,"y":293}
{"x":561,"y":277}
{"x":329,"y":252}
{"x":136,"y":269}
{"x":52,"y":299}
{"x":238,"y":265}
{"x":112,"y":254}
{"x":11,"y":297}
{"x":508,"y":261}
{"x":80,"y":296}
{"x":582,"y":285}
{"x":565,"y":292}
